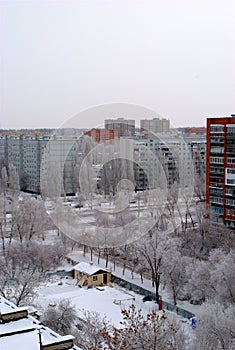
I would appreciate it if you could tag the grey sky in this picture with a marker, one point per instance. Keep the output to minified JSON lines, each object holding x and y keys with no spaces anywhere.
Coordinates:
{"x":60,"y":57}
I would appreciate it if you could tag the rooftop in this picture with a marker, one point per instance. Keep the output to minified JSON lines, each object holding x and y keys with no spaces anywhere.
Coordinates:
{"x":19,"y":330}
{"x":88,"y":268}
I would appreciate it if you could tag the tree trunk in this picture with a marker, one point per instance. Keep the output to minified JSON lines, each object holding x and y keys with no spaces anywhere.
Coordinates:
{"x":157,"y":289}
{"x":124,"y":268}
{"x":3,"y":240}
{"x":174,"y":295}
{"x":107,"y":259}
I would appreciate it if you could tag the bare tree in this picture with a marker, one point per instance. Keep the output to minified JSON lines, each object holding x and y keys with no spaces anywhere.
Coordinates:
{"x":84,"y":145}
{"x":61,"y":317}
{"x":23,"y":267}
{"x":17,"y":282}
{"x":152,"y":248}
{"x":90,"y":330}
{"x":9,"y":187}
{"x":153,"y":331}
{"x":29,"y":218}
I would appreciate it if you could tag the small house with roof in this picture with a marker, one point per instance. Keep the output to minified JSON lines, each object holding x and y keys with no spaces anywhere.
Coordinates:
{"x":88,"y":274}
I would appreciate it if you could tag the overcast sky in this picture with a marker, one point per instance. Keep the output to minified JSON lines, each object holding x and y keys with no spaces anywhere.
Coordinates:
{"x":60,"y":57}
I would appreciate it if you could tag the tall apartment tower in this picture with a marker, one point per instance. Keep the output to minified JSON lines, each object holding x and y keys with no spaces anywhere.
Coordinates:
{"x":125,"y":127}
{"x":26,"y":152}
{"x":220,"y":169}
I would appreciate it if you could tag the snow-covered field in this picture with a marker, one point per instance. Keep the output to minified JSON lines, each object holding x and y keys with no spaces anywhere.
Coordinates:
{"x":108,"y":301}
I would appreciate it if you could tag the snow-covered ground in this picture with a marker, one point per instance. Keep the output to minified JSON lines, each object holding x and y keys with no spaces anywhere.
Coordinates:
{"x":108,"y":301}
{"x":147,"y":284}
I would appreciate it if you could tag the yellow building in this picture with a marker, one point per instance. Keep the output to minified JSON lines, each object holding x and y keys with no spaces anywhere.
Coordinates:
{"x":87,"y":274}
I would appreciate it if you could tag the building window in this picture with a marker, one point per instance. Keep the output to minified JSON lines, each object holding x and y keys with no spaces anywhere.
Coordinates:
{"x":217,"y":160}
{"x":216,"y":128}
{"x":230,"y":182}
{"x":94,"y":278}
{"x":216,"y":200}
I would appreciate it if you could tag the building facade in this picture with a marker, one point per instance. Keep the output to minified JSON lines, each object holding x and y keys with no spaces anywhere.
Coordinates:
{"x":103,"y":135}
{"x":26,"y":154}
{"x":220,"y":169}
{"x":155,"y":125}
{"x":151,"y":157}
{"x":183,"y":159}
{"x":125,"y":127}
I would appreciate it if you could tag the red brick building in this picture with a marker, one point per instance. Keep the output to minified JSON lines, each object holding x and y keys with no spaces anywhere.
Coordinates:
{"x":103,"y":135}
{"x":220,"y":169}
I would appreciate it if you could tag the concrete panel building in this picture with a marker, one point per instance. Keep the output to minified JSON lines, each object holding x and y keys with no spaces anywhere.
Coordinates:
{"x":26,"y":153}
{"x":155,"y":125}
{"x":125,"y":127}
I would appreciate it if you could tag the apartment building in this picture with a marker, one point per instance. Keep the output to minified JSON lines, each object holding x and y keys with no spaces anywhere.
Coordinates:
{"x":151,"y":157}
{"x":125,"y":127}
{"x":108,"y":136}
{"x":26,"y":154}
{"x":220,"y":169}
{"x":155,"y":125}
{"x":182,"y":157}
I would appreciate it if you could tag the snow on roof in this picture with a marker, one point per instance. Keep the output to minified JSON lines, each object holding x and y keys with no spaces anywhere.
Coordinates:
{"x":29,"y":340}
{"x":88,"y":268}
{"x":6,"y":306}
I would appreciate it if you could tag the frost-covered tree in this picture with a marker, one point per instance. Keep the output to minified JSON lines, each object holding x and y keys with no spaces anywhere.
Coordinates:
{"x":29,"y":218}
{"x":199,"y":287}
{"x":90,"y":329}
{"x":18,"y":278}
{"x":9,"y":187}
{"x":214,"y":328}
{"x":60,"y":316}
{"x":222,"y":276}
{"x":84,"y":145}
{"x":152,"y":248}
{"x":23,"y":267}
{"x":13,"y":179}
{"x":174,"y":270}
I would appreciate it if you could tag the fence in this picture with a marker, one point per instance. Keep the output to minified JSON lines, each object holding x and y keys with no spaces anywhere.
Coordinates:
{"x":140,"y":290}
{"x":61,"y":273}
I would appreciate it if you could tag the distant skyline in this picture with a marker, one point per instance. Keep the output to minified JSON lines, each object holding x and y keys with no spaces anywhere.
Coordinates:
{"x":59,"y":58}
